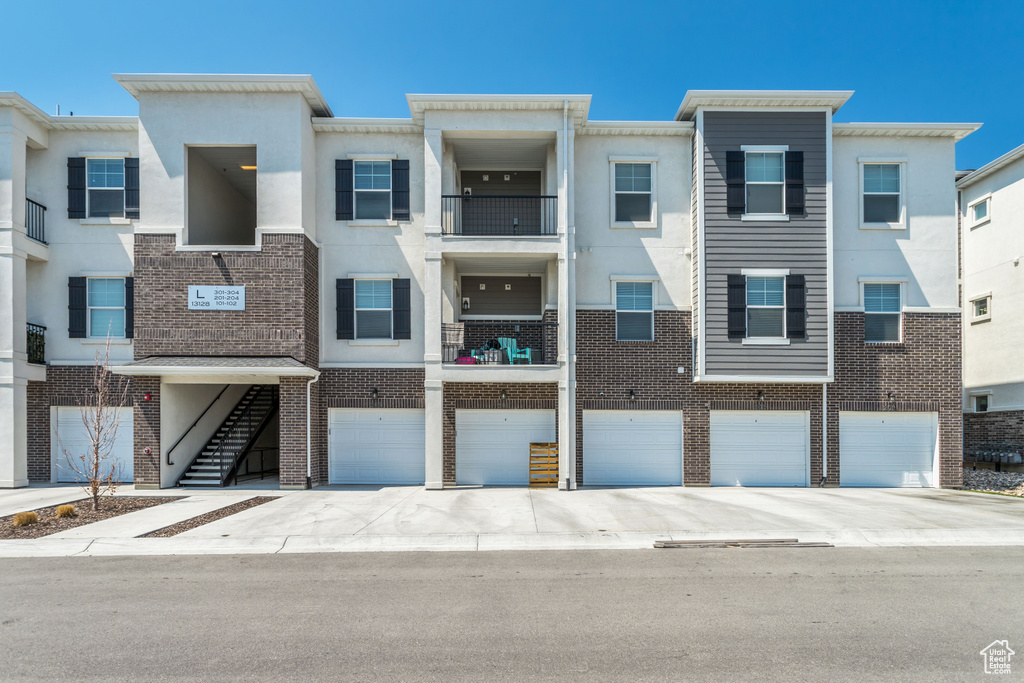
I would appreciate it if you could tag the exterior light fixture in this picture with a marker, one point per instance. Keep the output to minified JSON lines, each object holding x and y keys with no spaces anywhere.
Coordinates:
{"x":892,"y":398}
{"x":503,"y":396}
{"x":215,"y":254}
{"x":632,"y":395}
{"x":247,"y":168}
{"x":760,"y":395}
{"x":376,"y":394}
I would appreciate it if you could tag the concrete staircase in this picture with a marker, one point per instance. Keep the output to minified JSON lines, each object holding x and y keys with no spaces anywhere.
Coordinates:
{"x":219,"y":459}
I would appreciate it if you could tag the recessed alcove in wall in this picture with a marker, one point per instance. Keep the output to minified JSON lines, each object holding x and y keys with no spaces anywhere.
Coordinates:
{"x":221,"y":195}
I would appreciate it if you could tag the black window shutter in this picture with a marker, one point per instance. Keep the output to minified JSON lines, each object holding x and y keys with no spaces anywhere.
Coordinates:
{"x":737,"y":301}
{"x":346,"y":309}
{"x":401,"y":308}
{"x":343,"y":191}
{"x":129,"y":307}
{"x":796,"y":307}
{"x":77,"y":312}
{"x":76,"y":187}
{"x":131,"y":187}
{"x":735,"y":179}
{"x":795,"y":183}
{"x":400,"y":190}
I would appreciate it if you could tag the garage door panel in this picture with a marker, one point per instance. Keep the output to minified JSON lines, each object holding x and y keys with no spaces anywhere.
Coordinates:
{"x":492,"y":447}
{"x":75,"y":438}
{"x":759,"y":448}
{"x":377,"y":446}
{"x":632,"y":448}
{"x":887,"y":449}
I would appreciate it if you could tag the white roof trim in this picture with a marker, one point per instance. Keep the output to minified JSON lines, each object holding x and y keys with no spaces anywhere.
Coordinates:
{"x":579,"y":105}
{"x":228,"y":83}
{"x":637,"y":128}
{"x":365,"y":125}
{"x":87,"y":123}
{"x":991,"y":167}
{"x":695,"y":99}
{"x":177,"y":370}
{"x":957,"y":131}
{"x":13,"y":99}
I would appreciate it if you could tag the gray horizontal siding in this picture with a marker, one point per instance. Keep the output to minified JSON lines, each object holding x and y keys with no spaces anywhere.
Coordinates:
{"x":731,"y":245}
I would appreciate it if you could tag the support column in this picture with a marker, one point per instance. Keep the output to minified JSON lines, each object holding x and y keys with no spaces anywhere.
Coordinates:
{"x":292,"y":441}
{"x":146,"y":431}
{"x":433,"y":386}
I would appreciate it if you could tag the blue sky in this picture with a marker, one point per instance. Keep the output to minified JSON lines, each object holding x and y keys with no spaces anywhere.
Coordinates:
{"x":908,"y":61}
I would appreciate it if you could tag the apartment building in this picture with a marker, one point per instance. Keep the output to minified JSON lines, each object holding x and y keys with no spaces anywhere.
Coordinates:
{"x":496,"y":290}
{"x":991,"y":201}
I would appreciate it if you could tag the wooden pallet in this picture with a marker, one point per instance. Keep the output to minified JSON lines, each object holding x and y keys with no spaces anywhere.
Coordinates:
{"x":543,"y":465}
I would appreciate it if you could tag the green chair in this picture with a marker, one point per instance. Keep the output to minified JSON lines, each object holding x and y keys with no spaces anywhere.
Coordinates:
{"x":511,"y":347}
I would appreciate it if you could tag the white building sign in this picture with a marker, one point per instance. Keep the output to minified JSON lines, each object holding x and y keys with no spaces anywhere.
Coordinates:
{"x":216,"y":298}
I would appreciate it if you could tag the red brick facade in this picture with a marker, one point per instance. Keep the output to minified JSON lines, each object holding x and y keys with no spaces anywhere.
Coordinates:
{"x":487,"y":396}
{"x":281,"y":300}
{"x":1004,"y":426}
{"x":923,"y":373}
{"x":71,"y":385}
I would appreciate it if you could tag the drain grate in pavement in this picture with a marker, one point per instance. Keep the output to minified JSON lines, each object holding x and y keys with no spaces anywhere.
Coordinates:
{"x":742,"y":543}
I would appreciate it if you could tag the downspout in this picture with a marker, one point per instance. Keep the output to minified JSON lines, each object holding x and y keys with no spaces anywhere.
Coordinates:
{"x":309,"y":439}
{"x":824,"y":435}
{"x":570,"y":298}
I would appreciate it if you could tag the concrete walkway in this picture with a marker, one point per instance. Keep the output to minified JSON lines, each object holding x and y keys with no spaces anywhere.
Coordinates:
{"x":356,"y":519}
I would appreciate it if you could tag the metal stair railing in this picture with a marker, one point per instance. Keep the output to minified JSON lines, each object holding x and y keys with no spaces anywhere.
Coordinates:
{"x":246,"y":429}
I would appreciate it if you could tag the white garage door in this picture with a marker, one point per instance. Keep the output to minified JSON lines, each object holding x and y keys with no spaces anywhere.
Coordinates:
{"x":759,"y":448}
{"x":377,"y":446}
{"x":75,"y":439}
{"x":492,"y":447}
{"x":632,"y":448}
{"x":887,"y":449}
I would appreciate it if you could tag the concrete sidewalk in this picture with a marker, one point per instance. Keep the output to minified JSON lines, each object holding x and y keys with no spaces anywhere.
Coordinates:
{"x":358,"y":519}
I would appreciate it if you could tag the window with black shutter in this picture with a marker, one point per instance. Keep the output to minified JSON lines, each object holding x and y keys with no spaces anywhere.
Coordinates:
{"x":77,"y":308}
{"x":796,"y":307}
{"x":401,"y":308}
{"x":131,"y":187}
{"x":400,"y":190}
{"x":76,"y":187}
{"x":737,"y":304}
{"x":346,"y":308}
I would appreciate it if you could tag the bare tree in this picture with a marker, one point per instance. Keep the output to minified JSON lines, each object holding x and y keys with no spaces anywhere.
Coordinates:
{"x":95,"y":470}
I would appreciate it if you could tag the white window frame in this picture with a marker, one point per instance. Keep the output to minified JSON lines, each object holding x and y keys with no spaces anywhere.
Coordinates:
{"x":653,"y":161}
{"x":901,"y":224}
{"x":389,"y":220}
{"x":356,"y":309}
{"x":88,"y":194}
{"x":902,"y":282}
{"x":89,"y":308}
{"x":764,"y":149}
{"x":987,"y":200}
{"x":766,"y":341}
{"x":615,"y":304}
{"x":973,"y":401}
{"x":973,"y":301}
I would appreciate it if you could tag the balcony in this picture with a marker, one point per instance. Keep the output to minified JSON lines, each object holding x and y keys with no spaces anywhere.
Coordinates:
{"x":499,"y":215}
{"x":36,"y":344}
{"x":507,"y":342}
{"x":35,"y":221}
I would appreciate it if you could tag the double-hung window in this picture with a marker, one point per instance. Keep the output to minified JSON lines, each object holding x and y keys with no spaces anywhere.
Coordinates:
{"x":105,"y":188}
{"x":632,"y":193}
{"x":634,"y":311}
{"x":372,"y":190}
{"x":106,"y":304}
{"x":766,"y":307}
{"x":765,"y":183}
{"x":883,"y":190}
{"x":882,"y":311}
{"x":373,"y":309}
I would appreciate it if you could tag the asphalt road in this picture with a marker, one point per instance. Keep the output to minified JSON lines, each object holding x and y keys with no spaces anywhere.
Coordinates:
{"x":794,"y":614}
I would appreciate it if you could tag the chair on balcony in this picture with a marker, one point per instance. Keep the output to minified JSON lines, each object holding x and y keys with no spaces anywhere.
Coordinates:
{"x":511,"y":347}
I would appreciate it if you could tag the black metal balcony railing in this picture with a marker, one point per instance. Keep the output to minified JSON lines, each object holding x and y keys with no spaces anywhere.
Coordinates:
{"x":499,"y":343}
{"x":35,"y":220}
{"x":476,"y":215}
{"x":36,"y":345}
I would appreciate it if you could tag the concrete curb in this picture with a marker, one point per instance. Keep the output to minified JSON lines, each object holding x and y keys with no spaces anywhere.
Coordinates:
{"x":65,"y":547}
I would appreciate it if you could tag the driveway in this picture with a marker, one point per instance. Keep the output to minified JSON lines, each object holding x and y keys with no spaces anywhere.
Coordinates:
{"x":411,"y":518}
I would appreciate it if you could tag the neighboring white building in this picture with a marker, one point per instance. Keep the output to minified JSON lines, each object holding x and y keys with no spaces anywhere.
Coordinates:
{"x":991,"y":201}
{"x":743,"y":294}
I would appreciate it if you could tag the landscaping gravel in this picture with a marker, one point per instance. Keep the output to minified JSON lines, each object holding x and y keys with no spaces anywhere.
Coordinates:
{"x":200,"y":520}
{"x":1010,"y":483}
{"x":49,"y":523}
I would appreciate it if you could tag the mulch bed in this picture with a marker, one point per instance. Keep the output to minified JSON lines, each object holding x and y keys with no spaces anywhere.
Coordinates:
{"x":200,"y":520}
{"x":1008,"y":483}
{"x":49,"y":523}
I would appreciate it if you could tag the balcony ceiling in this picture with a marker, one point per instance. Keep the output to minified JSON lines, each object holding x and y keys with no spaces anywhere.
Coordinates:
{"x":228,"y":162}
{"x":501,"y":265}
{"x":505,"y":154}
